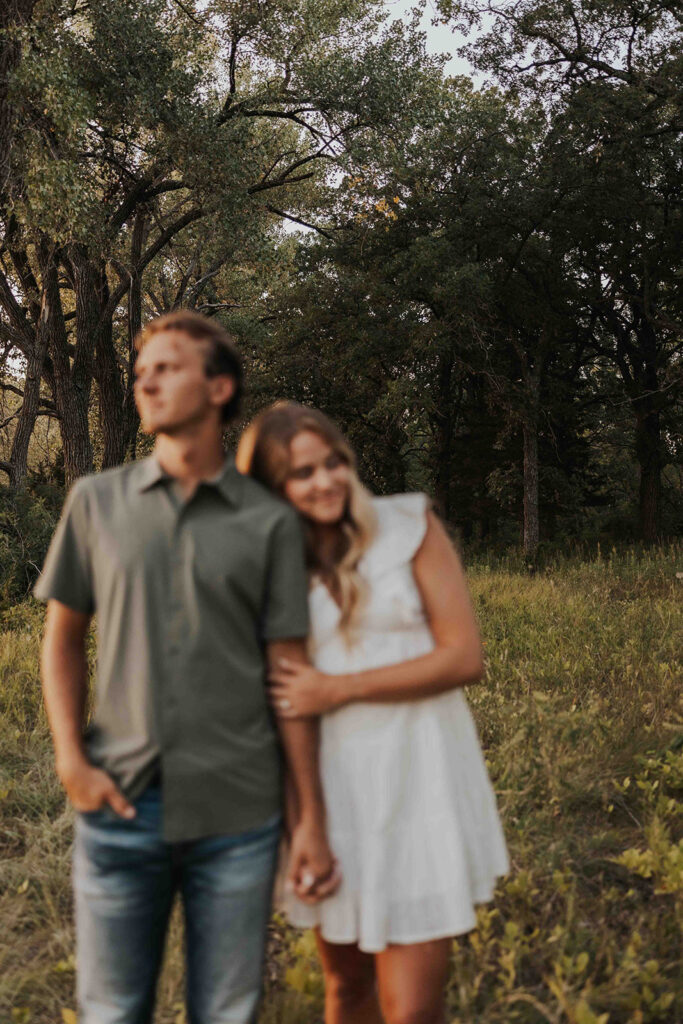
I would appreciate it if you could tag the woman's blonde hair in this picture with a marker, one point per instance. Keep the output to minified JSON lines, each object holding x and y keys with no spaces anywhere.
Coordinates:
{"x":264,"y":453}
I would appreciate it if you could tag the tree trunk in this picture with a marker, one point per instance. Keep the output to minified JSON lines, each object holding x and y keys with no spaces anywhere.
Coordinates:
{"x":112,"y":421}
{"x":638,"y":358}
{"x":532,"y":380}
{"x":13,"y":14}
{"x":108,"y":374}
{"x":71,"y":386}
{"x":649,"y":454}
{"x":29,"y":410}
{"x":443,"y":430}
{"x":531,"y":512}
{"x":132,"y":420}
{"x":647,"y":408}
{"x":532,"y":353}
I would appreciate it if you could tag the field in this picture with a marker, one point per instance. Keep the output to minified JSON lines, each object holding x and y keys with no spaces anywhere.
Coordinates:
{"x":580,"y":716}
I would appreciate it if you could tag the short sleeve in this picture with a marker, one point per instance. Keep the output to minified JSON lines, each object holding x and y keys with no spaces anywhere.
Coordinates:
{"x":286,"y":602}
{"x":401,"y":528}
{"x":67,"y":571}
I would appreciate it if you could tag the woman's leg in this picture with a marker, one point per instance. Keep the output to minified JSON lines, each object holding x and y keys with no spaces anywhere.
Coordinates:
{"x":411,"y":982}
{"x":350,"y":995}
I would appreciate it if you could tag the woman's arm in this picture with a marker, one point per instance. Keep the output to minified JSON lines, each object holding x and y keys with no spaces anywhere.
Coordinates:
{"x":456,"y":659}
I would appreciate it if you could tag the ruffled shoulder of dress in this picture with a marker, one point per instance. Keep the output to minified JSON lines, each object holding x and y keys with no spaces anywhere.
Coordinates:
{"x":401,"y":527}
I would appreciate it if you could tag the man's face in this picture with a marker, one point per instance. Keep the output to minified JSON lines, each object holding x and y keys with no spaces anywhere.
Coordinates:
{"x":172,"y":390}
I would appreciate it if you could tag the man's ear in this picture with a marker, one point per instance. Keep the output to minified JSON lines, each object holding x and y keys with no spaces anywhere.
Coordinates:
{"x":223,"y":388}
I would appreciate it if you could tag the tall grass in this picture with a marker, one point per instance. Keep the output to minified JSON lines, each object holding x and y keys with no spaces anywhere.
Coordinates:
{"x":580,"y":715}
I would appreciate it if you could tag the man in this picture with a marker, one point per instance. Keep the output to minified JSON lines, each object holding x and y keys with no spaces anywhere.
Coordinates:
{"x":197,"y":577}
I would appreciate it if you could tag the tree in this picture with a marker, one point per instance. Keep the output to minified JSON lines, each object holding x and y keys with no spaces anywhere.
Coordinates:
{"x":443,"y":285}
{"x":142,"y":120}
{"x":613,"y":75}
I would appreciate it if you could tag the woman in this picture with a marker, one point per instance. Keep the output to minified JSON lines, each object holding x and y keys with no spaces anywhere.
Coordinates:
{"x":411,"y":813}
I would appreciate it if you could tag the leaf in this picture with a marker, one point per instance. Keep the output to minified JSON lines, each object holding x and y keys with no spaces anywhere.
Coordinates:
{"x":306,"y":946}
{"x":582,"y":962}
{"x":584,"y":1014}
{"x":296,"y":977}
{"x":69,"y":964}
{"x":69,"y":1016}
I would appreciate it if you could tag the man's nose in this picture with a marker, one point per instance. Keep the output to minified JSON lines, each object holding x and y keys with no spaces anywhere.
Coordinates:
{"x":147,"y":382}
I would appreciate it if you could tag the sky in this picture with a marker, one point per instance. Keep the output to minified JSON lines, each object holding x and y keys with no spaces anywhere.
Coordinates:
{"x":440,"y":38}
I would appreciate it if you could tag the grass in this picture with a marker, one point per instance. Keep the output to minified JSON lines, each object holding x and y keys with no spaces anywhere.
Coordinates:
{"x":580,"y":717}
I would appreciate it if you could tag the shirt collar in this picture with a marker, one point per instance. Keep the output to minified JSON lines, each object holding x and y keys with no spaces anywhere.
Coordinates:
{"x":229,"y":483}
{"x":149,"y":472}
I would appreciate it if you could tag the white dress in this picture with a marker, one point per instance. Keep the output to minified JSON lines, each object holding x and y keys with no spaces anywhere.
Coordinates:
{"x":411,"y":813}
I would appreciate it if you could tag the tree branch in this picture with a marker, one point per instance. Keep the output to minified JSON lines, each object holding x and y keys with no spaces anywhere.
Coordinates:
{"x":263,"y":186}
{"x":46,"y":403}
{"x":189,"y":14}
{"x":147,"y":257}
{"x":299,"y":220}
{"x":16,"y":315}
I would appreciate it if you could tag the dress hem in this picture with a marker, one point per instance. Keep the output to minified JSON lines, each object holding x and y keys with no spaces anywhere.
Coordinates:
{"x":367,"y":947}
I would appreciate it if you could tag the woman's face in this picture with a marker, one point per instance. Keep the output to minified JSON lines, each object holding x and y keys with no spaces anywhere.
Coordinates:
{"x":319,"y":479}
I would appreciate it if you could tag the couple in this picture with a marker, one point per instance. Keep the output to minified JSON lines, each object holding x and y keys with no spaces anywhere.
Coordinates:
{"x":209,"y":577}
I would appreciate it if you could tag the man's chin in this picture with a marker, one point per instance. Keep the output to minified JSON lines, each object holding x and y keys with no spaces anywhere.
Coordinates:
{"x":151,"y":427}
{"x":160,"y":426}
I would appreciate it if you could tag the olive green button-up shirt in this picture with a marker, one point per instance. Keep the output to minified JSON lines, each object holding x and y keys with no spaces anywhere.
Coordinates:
{"x":186,"y":596}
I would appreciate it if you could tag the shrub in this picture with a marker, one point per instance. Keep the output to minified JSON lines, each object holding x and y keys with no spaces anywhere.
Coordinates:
{"x":27,"y":521}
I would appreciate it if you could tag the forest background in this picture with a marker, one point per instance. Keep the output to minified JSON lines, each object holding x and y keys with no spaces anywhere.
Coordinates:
{"x":484,"y":287}
{"x":478,"y":276}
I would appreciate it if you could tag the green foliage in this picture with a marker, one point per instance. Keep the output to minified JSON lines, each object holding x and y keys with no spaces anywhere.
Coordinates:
{"x":27,"y":522}
{"x":609,"y":77}
{"x":498,"y":263}
{"x":119,"y":92}
{"x":565,"y":45}
{"x":512,"y":269}
{"x":660,"y":780}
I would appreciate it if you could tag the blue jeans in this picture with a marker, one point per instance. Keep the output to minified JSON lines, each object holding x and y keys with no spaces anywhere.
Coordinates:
{"x":125,"y":877}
